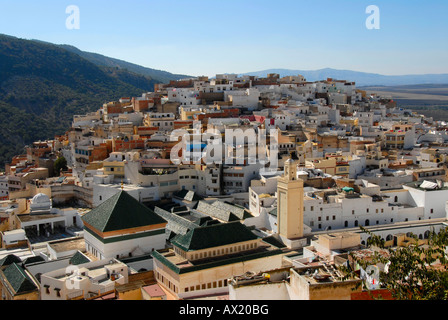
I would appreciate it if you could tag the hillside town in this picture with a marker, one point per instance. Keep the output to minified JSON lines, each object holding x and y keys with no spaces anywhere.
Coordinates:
{"x":224,"y":188}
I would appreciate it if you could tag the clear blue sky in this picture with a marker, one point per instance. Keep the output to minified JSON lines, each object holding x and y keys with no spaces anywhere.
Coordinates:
{"x":205,"y":37}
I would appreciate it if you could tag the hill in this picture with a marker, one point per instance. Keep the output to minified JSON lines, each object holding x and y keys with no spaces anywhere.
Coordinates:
{"x":43,"y":85}
{"x":100,"y":60}
{"x":430,"y":100}
{"x":361,"y":78}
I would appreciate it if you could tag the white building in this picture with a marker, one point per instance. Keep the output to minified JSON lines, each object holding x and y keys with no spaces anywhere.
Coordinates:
{"x":248,"y":98}
{"x":83,"y":281}
{"x":122,"y":227}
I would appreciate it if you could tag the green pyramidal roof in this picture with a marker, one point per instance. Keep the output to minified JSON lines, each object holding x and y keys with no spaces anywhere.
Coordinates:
{"x":18,"y":279}
{"x":120,"y":212}
{"x":214,"y":235}
{"x":78,"y":258}
{"x":9,"y":259}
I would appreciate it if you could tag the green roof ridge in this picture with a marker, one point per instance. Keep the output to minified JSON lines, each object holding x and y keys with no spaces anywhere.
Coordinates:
{"x":214,"y":235}
{"x":18,"y":279}
{"x":79,"y":258}
{"x":120,"y":212}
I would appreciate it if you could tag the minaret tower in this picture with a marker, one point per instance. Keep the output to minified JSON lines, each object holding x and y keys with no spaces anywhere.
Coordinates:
{"x":290,"y":202}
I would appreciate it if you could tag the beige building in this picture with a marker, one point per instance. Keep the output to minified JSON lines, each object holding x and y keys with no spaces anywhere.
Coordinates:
{"x":16,"y":283}
{"x":204,"y":258}
{"x":313,"y":274}
{"x":290,"y":204}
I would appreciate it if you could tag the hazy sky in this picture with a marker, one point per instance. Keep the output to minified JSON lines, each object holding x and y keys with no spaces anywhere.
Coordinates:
{"x":205,"y":37}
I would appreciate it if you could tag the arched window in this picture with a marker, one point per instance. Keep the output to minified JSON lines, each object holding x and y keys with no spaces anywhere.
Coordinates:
{"x":346,"y":224}
{"x":367,"y":222}
{"x":389,"y":237}
{"x":427,"y":234}
{"x":356,"y":223}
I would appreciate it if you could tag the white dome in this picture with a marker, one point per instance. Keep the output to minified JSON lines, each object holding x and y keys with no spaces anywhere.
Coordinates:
{"x":40,"y":198}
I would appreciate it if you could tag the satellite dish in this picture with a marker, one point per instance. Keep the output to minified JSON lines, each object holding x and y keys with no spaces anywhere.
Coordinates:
{"x":372,"y":277}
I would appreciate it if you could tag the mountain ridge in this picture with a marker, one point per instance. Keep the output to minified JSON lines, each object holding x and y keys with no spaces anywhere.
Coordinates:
{"x":359,"y":77}
{"x":43,"y":85}
{"x":102,"y":60}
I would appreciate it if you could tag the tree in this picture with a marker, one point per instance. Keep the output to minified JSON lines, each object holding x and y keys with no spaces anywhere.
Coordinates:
{"x":60,"y":164}
{"x":415,"y":271}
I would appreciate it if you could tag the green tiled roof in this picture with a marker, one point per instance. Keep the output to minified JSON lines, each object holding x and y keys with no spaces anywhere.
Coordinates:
{"x":120,"y":212}
{"x":78,"y":258}
{"x":33,"y":260}
{"x":9,"y":259}
{"x":215,"y":211}
{"x":18,"y":279}
{"x":187,"y":195}
{"x":275,"y":242}
{"x":177,"y":224}
{"x":213,"y":236}
{"x":240,"y":212}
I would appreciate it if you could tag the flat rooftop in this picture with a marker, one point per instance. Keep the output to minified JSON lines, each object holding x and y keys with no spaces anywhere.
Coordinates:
{"x":68,"y":245}
{"x":177,"y":262}
{"x":320,"y":274}
{"x":30,"y":217}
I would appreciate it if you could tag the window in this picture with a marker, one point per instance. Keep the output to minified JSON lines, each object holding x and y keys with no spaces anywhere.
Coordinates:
{"x":346,"y":224}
